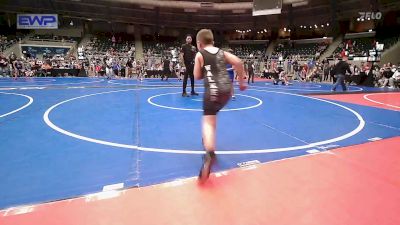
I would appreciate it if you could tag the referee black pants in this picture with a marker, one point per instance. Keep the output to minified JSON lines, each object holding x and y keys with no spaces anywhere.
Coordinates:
{"x":188,"y":73}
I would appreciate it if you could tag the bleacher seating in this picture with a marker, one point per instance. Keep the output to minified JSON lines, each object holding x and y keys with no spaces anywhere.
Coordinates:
{"x":388,"y":42}
{"x":361,"y":46}
{"x":248,"y":51}
{"x":160,"y":49}
{"x":7,"y":41}
{"x":102,"y":45}
{"x":51,"y":37}
{"x":305,"y":50}
{"x":357,"y":46}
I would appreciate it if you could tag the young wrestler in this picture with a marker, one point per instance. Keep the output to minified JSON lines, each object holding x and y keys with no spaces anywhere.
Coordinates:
{"x":210,"y":64}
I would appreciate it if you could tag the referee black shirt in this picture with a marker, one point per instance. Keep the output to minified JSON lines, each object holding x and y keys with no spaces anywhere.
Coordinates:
{"x":189,"y":52}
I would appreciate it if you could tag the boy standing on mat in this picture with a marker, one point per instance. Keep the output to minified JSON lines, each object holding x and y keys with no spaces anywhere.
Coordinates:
{"x":210,"y":64}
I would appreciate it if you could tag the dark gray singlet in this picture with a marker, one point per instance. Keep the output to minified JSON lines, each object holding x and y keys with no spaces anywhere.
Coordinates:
{"x":217,"y":83}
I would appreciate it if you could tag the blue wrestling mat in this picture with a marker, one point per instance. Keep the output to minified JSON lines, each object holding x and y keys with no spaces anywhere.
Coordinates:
{"x":67,"y":137}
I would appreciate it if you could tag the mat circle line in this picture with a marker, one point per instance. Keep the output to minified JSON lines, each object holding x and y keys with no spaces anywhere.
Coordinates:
{"x":20,"y":108}
{"x":149,"y":100}
{"x":377,"y":102}
{"x":160,"y":150}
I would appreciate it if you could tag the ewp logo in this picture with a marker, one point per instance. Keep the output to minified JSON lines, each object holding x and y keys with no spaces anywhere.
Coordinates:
{"x":37,"y":21}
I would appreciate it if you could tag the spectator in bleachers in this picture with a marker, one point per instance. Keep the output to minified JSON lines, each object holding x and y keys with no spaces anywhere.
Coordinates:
{"x":46,"y":66}
{"x":11,"y":60}
{"x":166,"y":65}
{"x":355,"y":78}
{"x":325,"y":68}
{"x":116,"y":67}
{"x":315,"y":74}
{"x":113,"y":40}
{"x":289,"y":65}
{"x":395,"y":78}
{"x":250,"y":71}
{"x":3,"y":65}
{"x":7,"y":41}
{"x":296,"y":69}
{"x":387,"y":73}
{"x":129,"y":68}
{"x":18,"y":68}
{"x":382,"y":78}
{"x":109,"y":64}
{"x":98,"y":69}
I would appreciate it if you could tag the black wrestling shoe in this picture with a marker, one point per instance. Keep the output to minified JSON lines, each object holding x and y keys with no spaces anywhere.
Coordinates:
{"x":193,"y":93}
{"x":184,"y":94}
{"x":208,"y":161}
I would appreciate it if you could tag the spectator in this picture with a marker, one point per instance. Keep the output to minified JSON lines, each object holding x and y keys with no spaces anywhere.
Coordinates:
{"x":395,"y":78}
{"x":3,"y":65}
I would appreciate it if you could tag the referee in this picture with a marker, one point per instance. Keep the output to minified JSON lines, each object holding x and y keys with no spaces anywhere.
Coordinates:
{"x":188,"y":52}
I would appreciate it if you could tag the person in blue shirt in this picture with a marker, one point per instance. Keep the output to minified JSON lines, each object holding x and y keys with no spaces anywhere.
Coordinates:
{"x":231,"y":72}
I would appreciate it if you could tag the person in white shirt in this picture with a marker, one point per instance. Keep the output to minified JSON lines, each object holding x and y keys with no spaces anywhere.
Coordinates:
{"x":109,"y":70}
{"x":394,"y":78}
